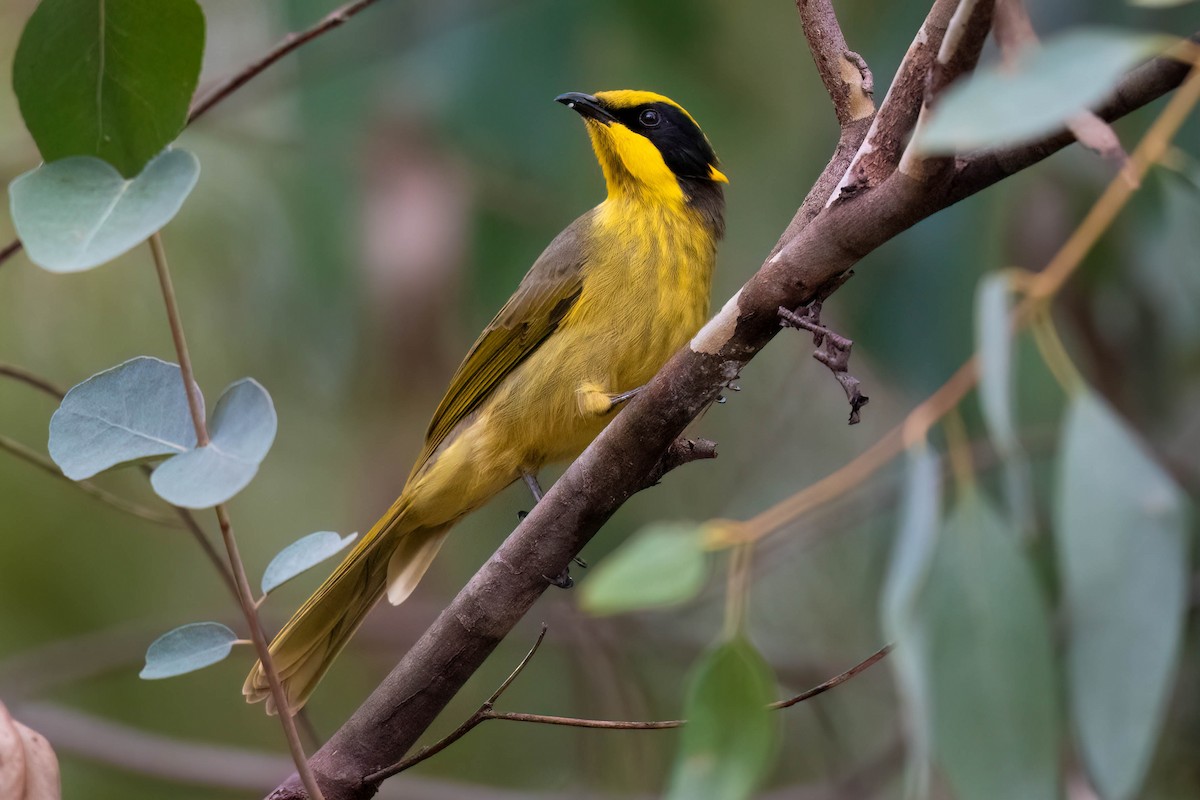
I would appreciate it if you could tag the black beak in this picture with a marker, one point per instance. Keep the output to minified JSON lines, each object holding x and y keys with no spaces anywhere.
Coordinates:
{"x":587,"y":106}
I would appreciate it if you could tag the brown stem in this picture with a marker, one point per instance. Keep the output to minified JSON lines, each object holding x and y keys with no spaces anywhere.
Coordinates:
{"x":32,"y":379}
{"x":10,"y":250}
{"x":194,"y":400}
{"x":244,"y":594}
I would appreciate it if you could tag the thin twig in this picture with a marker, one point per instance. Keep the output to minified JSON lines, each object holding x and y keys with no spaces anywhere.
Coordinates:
{"x":194,"y":400}
{"x":487,"y":712}
{"x":10,"y":250}
{"x":244,"y":593}
{"x":292,"y":41}
{"x":836,"y":680}
{"x":42,"y":462}
{"x":36,"y":381}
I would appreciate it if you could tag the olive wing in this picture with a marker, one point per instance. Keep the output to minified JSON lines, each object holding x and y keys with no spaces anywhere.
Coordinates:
{"x":531,"y":315}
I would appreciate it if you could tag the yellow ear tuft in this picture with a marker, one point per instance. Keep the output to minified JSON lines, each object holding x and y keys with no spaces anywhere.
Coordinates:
{"x":715,"y":174}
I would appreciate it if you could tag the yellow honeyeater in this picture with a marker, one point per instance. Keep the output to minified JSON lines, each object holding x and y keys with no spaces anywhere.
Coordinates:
{"x":606,"y":304}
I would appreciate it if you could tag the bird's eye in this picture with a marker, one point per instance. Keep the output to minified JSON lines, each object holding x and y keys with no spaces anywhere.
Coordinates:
{"x":649,"y":118}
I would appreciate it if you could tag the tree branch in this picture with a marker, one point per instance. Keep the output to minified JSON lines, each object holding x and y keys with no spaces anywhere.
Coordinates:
{"x":623,"y":457}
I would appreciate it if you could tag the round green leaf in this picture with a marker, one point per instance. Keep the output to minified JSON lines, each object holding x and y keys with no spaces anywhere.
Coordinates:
{"x":108,"y":78}
{"x":731,"y":737}
{"x":301,"y":555}
{"x":242,"y":431}
{"x":1002,"y":105}
{"x":187,"y":649}
{"x":78,"y":213}
{"x":1122,"y":536}
{"x":661,"y":565}
{"x":133,"y":411}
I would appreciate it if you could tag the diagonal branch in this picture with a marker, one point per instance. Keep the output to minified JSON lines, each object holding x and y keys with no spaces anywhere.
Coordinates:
{"x":621,"y":459}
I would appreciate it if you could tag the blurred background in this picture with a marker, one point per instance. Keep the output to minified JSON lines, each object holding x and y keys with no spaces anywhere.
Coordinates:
{"x":364,"y":208}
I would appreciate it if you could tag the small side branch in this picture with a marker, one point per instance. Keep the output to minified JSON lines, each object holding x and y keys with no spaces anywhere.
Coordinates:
{"x":833,"y":350}
{"x":682,"y":451}
{"x":487,"y":712}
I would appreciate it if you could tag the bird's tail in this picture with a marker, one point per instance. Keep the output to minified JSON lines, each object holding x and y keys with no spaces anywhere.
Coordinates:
{"x":393,"y":556}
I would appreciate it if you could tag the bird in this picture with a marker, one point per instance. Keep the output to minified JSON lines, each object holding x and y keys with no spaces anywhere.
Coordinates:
{"x":611,"y":298}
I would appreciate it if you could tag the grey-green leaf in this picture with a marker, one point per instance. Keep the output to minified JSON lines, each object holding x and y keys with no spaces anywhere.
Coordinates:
{"x":187,"y":649}
{"x":911,"y":557}
{"x":1121,"y":531}
{"x":1068,"y":74}
{"x":133,"y":411}
{"x":108,"y":78}
{"x":731,"y":737}
{"x":78,"y":213}
{"x":988,"y":662}
{"x":994,"y":343}
{"x":301,"y":555}
{"x":242,"y":431}
{"x":993,"y":340}
{"x":661,"y":565}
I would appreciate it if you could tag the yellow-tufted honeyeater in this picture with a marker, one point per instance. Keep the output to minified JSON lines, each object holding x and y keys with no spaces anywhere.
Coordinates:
{"x":606,"y":304}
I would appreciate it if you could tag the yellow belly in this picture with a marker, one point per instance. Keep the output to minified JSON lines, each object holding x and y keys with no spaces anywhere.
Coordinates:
{"x":645,"y":293}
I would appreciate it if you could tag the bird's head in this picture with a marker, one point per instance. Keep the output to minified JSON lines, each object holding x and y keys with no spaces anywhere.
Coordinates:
{"x":647,"y":144}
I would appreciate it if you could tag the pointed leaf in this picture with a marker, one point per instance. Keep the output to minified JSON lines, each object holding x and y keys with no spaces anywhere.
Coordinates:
{"x":133,"y":411}
{"x":731,"y":737}
{"x":994,"y":339}
{"x":108,"y":78}
{"x":301,"y":555}
{"x":912,"y":555}
{"x":1002,"y":105}
{"x":994,"y":343}
{"x":78,"y":213}
{"x":187,"y":649}
{"x":1124,"y":553}
{"x":988,"y":663}
{"x":242,"y":431}
{"x":662,"y":565}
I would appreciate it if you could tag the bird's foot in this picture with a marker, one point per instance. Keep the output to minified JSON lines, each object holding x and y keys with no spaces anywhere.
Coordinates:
{"x":563,"y":580}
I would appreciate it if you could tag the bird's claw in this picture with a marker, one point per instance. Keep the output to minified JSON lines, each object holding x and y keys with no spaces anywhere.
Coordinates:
{"x":563,"y":580}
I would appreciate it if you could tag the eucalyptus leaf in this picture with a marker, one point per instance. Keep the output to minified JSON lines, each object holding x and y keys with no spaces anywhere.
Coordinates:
{"x":187,"y":649}
{"x":1122,"y":536}
{"x":108,"y":78}
{"x":731,"y":737}
{"x":908,"y":568}
{"x":78,"y":213}
{"x":242,"y":431}
{"x":994,"y":343}
{"x":661,"y":565}
{"x":133,"y":411}
{"x":301,"y":555}
{"x":988,"y":662}
{"x":1003,"y":105}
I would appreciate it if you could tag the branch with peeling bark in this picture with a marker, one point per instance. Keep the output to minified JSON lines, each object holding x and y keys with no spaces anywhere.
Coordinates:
{"x":861,"y":200}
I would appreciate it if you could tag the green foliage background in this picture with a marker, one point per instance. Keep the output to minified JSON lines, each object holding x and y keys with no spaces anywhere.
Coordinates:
{"x":364,"y":208}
